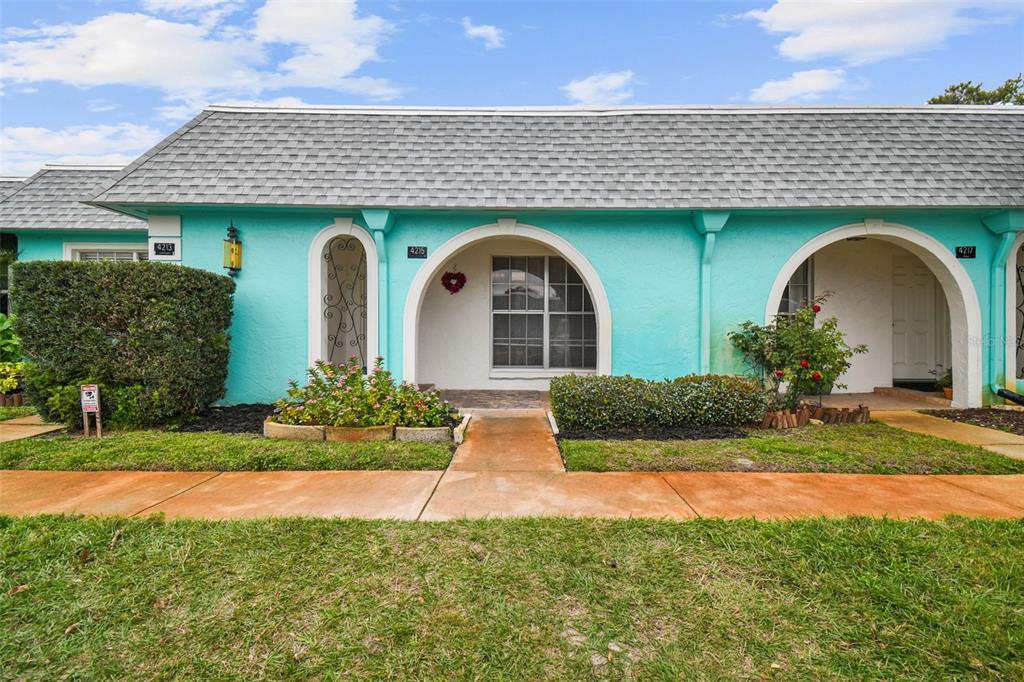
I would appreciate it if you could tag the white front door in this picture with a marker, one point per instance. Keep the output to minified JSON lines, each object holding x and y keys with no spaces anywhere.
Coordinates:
{"x":913,"y":319}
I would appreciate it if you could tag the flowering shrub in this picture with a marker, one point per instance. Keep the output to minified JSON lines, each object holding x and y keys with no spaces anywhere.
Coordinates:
{"x":797,"y":356}
{"x":606,"y":403}
{"x":342,"y":395}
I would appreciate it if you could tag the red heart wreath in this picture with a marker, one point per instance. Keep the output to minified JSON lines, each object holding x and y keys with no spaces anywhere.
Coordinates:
{"x":453,"y":281}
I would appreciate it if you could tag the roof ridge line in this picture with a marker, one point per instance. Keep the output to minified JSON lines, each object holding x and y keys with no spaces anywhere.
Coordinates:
{"x":609,"y":110}
{"x":81,"y":166}
{"x":146,"y":156}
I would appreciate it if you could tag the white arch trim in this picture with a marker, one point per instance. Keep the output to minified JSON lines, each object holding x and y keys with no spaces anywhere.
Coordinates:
{"x":964,"y":310}
{"x":1010,"y":357}
{"x":342,"y":227}
{"x":504,"y":228}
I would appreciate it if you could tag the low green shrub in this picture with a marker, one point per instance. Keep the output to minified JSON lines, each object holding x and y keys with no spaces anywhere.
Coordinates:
{"x":153,"y":336}
{"x":606,"y":403}
{"x":344,"y":395}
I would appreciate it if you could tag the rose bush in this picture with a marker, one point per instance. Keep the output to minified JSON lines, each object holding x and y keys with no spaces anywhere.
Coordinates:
{"x":344,"y":395}
{"x":796,"y":356}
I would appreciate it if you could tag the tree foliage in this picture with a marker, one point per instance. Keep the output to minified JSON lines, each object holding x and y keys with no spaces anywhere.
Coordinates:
{"x":1010,"y":92}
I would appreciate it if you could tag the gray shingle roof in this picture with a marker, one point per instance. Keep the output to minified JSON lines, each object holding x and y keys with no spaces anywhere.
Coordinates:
{"x":52,"y":199}
{"x":8,"y":186}
{"x":654,"y":158}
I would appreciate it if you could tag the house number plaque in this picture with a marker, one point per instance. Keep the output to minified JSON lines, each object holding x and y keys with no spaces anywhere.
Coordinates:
{"x":966,"y":251}
{"x":416,"y":251}
{"x":163,"y":248}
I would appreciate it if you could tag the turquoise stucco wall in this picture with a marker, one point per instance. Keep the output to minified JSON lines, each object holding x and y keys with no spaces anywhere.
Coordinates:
{"x":49,"y":244}
{"x":649,"y":265}
{"x":650,"y":337}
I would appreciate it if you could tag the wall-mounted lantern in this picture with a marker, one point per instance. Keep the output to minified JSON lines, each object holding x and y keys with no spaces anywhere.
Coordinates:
{"x":232,"y":251}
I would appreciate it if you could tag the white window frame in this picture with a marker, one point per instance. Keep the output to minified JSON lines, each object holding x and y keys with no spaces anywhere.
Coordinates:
{"x":72,"y":249}
{"x":535,"y":372}
{"x":809,"y":284}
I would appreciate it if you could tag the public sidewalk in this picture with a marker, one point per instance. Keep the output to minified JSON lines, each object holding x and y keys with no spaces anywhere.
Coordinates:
{"x":510,"y":466}
{"x":436,"y":495}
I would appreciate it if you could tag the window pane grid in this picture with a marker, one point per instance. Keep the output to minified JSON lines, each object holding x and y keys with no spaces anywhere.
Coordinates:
{"x":111,"y":255}
{"x":799,"y":290}
{"x":542,"y":314}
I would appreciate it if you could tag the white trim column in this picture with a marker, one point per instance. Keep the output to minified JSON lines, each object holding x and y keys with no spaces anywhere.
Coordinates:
{"x":165,"y":238}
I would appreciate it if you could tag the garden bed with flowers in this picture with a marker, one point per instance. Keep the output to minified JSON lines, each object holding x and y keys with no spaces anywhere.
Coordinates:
{"x":342,"y":402}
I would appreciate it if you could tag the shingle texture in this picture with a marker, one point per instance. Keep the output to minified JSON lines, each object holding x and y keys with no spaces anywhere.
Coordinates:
{"x":52,"y":199}
{"x":7,"y":187}
{"x":665,"y":159}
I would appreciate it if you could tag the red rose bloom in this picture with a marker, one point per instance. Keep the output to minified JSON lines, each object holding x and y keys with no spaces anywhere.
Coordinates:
{"x":816,"y":376}
{"x":779,"y":373}
{"x":805,"y":364}
{"x":816,"y":308}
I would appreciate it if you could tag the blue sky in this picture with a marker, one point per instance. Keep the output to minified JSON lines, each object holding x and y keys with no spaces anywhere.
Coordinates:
{"x":91,"y":81}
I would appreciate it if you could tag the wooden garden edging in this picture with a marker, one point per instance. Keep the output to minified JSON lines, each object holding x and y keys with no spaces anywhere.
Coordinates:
{"x":784,"y":419}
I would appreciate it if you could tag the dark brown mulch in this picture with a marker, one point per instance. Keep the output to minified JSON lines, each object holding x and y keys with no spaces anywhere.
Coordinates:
{"x":1002,"y":420}
{"x":246,"y":418}
{"x":678,"y":433}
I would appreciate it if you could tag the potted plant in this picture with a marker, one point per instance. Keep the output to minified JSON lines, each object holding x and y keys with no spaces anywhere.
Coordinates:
{"x":797,"y":356}
{"x":943,"y":380}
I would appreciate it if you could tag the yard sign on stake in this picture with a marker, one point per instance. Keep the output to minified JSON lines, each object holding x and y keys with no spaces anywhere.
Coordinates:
{"x":91,"y":405}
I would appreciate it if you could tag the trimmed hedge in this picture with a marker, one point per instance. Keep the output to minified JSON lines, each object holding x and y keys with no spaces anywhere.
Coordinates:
{"x":608,"y":403}
{"x":152,"y":335}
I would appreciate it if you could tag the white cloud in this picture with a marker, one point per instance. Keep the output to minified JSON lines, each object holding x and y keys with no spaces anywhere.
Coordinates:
{"x":868,"y":30}
{"x":330,"y":42}
{"x":193,"y":58}
{"x":100,"y":104}
{"x":181,"y":6}
{"x":492,"y":36}
{"x":601,"y":88}
{"x":23,"y":149}
{"x":804,"y":86}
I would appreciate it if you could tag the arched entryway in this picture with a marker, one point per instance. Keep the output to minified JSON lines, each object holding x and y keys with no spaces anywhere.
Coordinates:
{"x":342,"y":294}
{"x":904,"y":294}
{"x":533,"y":307}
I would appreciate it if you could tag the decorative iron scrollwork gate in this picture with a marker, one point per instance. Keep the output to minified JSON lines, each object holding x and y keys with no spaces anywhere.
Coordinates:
{"x":1020,"y":314}
{"x":344,"y":304}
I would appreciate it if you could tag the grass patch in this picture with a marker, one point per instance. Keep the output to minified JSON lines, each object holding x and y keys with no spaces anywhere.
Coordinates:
{"x":15,"y":412}
{"x":211,"y":451}
{"x":525,"y":599}
{"x":873,"y":448}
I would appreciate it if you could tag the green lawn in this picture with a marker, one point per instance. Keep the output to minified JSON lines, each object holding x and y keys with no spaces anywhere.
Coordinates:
{"x":525,"y":599}
{"x":15,"y":412}
{"x":163,"y":450}
{"x":870,"y":448}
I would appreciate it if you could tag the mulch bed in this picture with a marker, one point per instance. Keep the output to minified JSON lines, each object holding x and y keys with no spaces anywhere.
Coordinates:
{"x":1002,"y":420}
{"x":246,"y":418}
{"x":679,"y":433}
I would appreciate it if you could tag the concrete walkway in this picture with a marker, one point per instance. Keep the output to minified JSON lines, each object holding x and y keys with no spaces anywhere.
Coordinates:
{"x":25,"y":427}
{"x":510,"y":466}
{"x":423,"y":495}
{"x":508,"y":440}
{"x":1002,"y":442}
